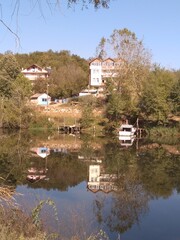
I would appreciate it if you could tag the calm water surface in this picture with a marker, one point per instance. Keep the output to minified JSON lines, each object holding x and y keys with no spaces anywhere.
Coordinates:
{"x":129,"y":189}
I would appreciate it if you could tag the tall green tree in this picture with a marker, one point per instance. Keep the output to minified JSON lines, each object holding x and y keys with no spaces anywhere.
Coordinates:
{"x":14,"y":92}
{"x":87,"y":103}
{"x":9,"y":70}
{"x":16,"y":113}
{"x":132,"y":66}
{"x":175,"y":95}
{"x":155,"y":104}
{"x":67,"y":81}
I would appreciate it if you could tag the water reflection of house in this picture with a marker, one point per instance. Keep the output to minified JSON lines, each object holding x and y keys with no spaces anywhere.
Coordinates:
{"x":41,"y":151}
{"x":100,"y":181}
{"x":36,"y":172}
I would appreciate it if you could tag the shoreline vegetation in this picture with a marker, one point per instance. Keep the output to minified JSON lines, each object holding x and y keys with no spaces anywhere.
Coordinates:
{"x":56,"y":115}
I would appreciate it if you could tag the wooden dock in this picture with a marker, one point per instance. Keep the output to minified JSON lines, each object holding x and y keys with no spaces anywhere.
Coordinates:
{"x":140,"y":132}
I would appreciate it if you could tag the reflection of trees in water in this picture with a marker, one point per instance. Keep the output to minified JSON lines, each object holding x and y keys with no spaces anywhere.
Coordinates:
{"x":14,"y":150}
{"x":129,"y":203}
{"x":126,"y":206}
{"x":92,"y":147}
{"x":160,"y":172}
{"x":149,"y":174}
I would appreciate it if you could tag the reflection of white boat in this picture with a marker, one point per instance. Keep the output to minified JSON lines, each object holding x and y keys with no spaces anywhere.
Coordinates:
{"x":127,"y":130}
{"x":126,"y":140}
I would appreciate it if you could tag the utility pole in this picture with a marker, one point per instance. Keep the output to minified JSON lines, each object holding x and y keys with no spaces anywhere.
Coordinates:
{"x":47,"y":92}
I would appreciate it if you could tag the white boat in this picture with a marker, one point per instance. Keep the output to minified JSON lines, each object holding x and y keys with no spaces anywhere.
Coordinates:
{"x":126,"y":141}
{"x":127,"y":130}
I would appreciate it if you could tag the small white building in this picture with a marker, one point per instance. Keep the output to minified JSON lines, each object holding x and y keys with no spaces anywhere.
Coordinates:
{"x":41,"y":99}
{"x":35,"y":72}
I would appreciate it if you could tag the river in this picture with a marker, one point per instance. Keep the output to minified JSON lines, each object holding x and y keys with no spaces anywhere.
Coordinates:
{"x":128,"y":190}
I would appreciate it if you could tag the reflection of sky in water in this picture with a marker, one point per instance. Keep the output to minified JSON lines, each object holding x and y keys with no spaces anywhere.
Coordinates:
{"x":160,"y":222}
{"x":75,"y":206}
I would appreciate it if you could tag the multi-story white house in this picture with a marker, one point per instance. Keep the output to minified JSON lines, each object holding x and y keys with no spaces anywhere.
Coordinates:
{"x":100,"y":70}
{"x":35,"y":72}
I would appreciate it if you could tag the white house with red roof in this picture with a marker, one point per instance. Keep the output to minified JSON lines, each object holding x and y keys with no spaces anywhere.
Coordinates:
{"x":35,"y":72}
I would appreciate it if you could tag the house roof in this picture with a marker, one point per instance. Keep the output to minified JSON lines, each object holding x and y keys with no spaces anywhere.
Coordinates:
{"x":38,"y":95}
{"x":95,"y":59}
{"x":34,"y":66}
{"x":108,"y":59}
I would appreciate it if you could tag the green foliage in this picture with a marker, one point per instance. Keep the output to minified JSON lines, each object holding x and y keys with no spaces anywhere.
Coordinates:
{"x":175,"y":95}
{"x":40,"y":86}
{"x":155,"y":104}
{"x":14,"y":110}
{"x":39,"y":121}
{"x":100,"y":235}
{"x":9,"y":70}
{"x":37,"y":210}
{"x":87,"y":104}
{"x":116,"y":107}
{"x":14,"y":92}
{"x":22,"y":87}
{"x":9,"y":63}
{"x":164,"y":135}
{"x":67,"y":80}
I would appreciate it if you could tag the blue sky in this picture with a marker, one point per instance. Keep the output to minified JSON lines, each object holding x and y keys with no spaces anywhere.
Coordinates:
{"x":79,"y":31}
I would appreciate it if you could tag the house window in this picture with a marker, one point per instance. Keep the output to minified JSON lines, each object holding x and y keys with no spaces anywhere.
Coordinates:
{"x":95,"y":64}
{"x":44,"y":99}
{"x":95,"y":71}
{"x":43,"y":150}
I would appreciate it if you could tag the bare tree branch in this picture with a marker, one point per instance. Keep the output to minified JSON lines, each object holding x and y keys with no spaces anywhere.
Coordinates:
{"x":9,"y":29}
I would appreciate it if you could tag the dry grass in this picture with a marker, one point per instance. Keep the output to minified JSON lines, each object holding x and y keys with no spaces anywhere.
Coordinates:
{"x":13,"y":223}
{"x":6,"y":196}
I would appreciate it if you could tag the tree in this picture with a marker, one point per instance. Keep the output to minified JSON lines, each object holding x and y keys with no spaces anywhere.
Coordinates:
{"x":155,"y":104}
{"x":87,"y":104}
{"x":16,"y":113}
{"x":67,"y":81}
{"x":132,"y":66}
{"x":40,"y":85}
{"x":100,"y":50}
{"x":14,"y":92}
{"x":9,"y":70}
{"x":175,"y":96}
